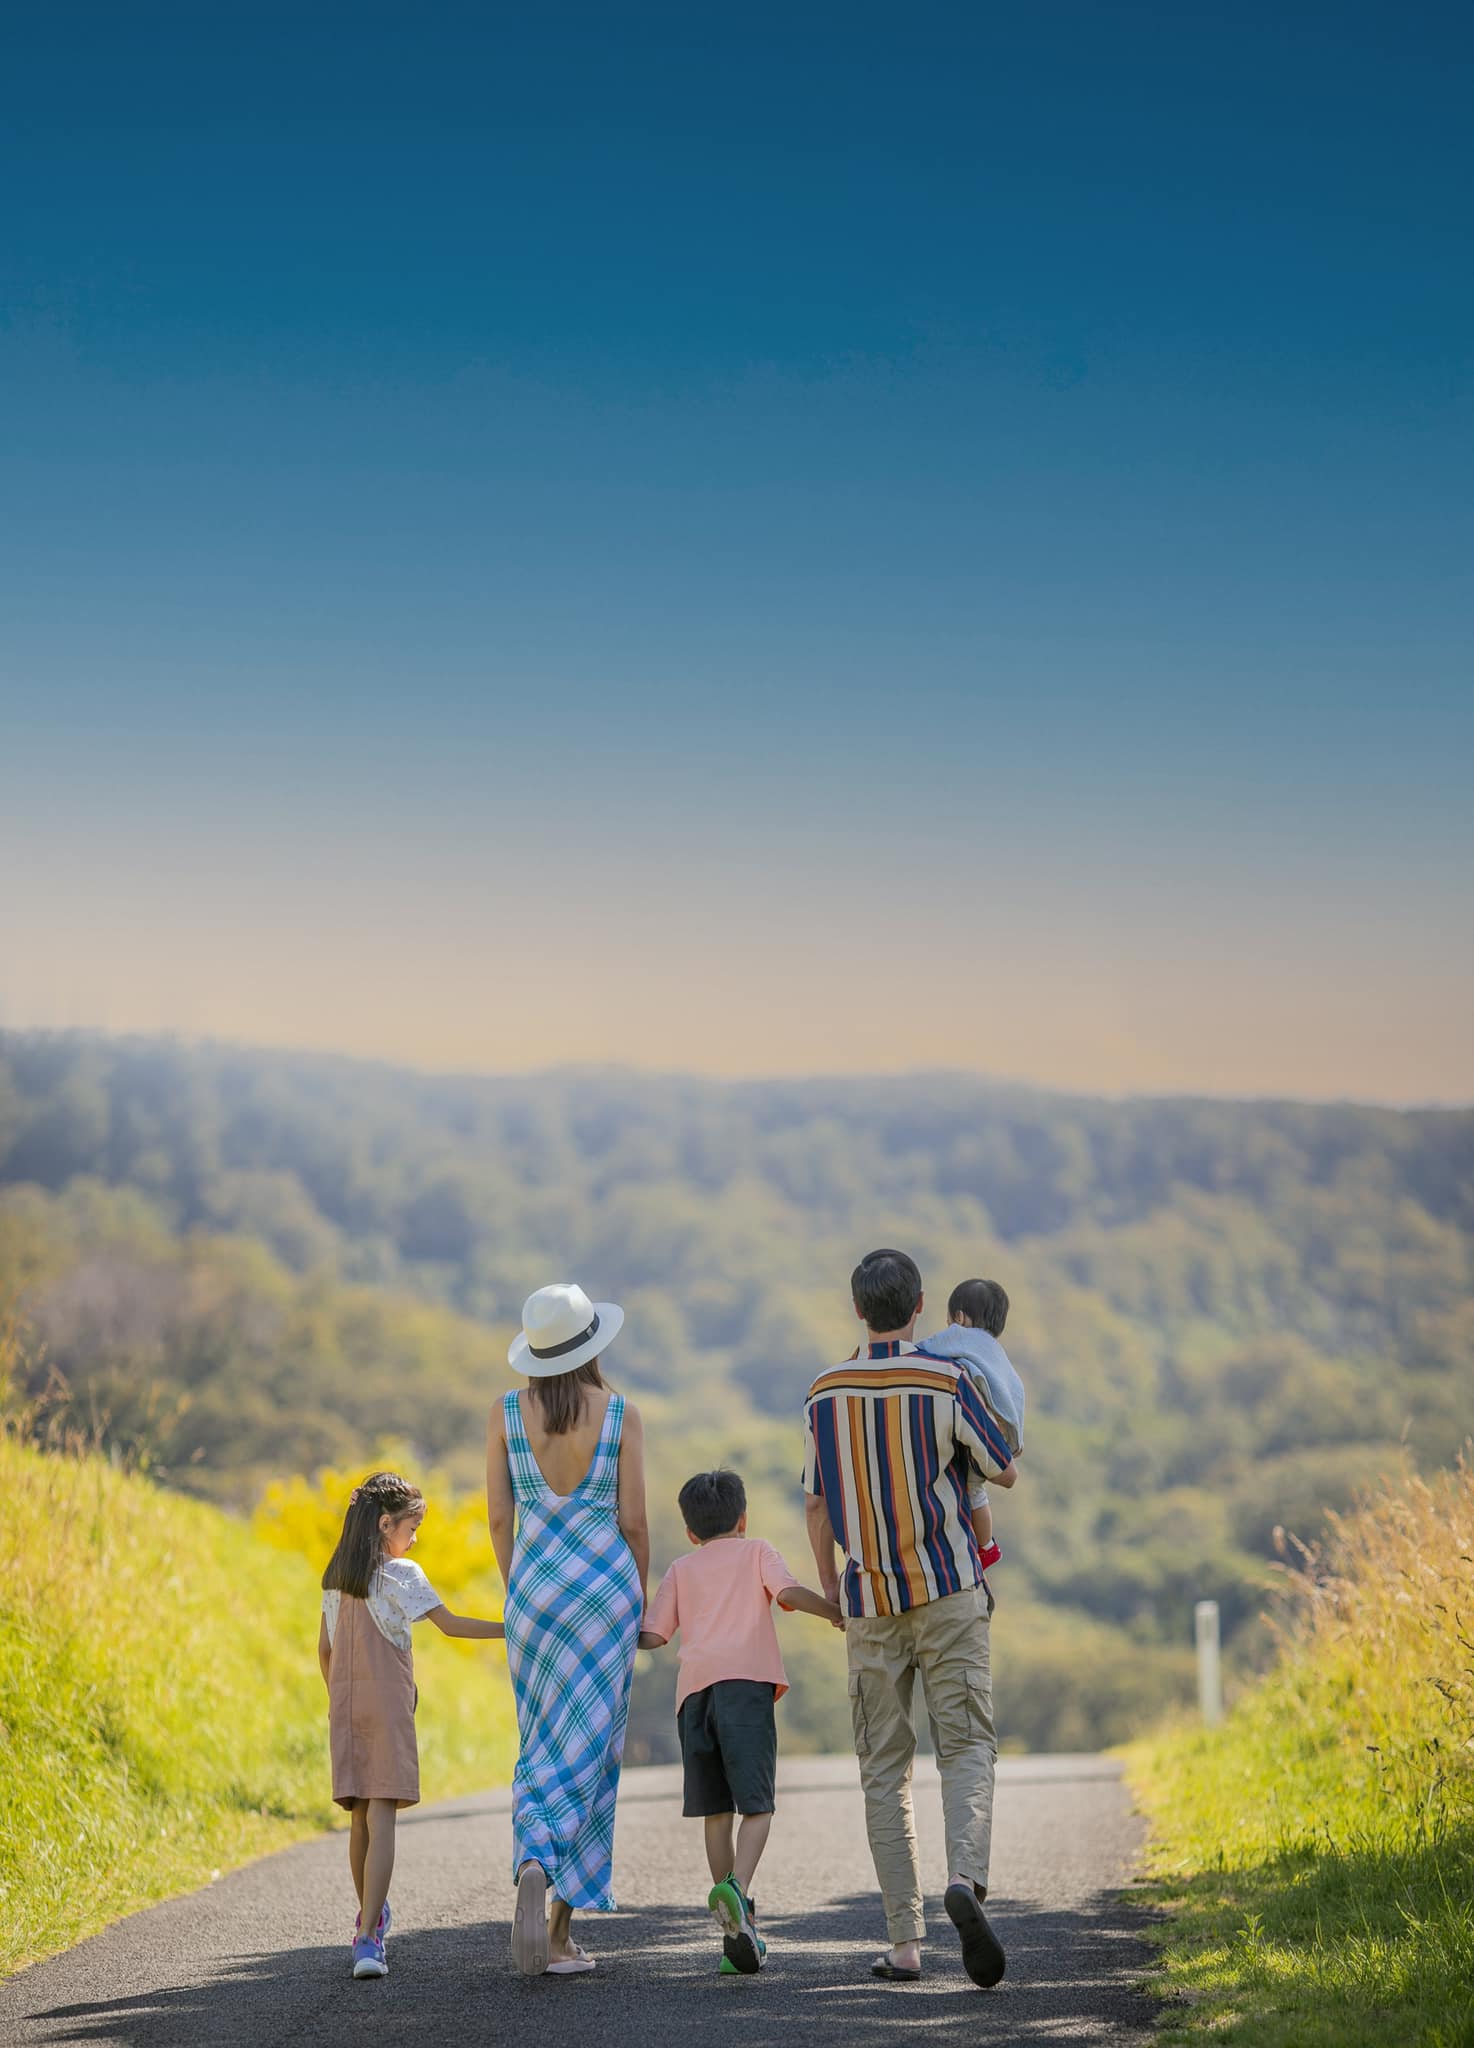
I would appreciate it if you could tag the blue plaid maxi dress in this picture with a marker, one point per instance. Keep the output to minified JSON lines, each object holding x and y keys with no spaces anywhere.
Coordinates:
{"x":572,"y":1615}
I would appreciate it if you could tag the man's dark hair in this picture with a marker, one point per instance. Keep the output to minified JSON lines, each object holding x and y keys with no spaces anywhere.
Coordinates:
{"x":713,"y":1503}
{"x":887,"y":1287}
{"x":984,"y":1304}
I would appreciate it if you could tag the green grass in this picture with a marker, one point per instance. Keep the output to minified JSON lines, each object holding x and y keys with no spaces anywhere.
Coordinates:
{"x":162,"y":1717}
{"x":1315,"y":1855}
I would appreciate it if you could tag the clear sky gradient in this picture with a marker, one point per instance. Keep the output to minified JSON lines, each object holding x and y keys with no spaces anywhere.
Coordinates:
{"x":752,"y":540}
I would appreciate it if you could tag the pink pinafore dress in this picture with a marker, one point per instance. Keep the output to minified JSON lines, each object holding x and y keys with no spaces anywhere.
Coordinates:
{"x":372,"y":1694}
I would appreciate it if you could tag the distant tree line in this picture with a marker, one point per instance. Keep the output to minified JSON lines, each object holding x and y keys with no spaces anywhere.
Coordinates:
{"x":1229,"y":1315}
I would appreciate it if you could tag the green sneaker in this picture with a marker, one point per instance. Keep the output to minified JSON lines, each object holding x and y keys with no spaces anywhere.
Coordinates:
{"x":726,"y":1969}
{"x":739,"y":1936}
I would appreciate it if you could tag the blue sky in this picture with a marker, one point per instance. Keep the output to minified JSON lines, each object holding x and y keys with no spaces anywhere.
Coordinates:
{"x":699,"y":493}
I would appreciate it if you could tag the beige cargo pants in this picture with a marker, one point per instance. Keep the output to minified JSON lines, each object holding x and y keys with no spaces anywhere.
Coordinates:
{"x":947,"y":1642}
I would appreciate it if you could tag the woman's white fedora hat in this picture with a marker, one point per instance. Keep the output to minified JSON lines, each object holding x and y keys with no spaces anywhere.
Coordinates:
{"x":561,"y":1330}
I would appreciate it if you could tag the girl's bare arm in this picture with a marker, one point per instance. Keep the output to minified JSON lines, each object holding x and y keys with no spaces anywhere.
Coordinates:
{"x":324,"y":1651}
{"x":450,"y":1624}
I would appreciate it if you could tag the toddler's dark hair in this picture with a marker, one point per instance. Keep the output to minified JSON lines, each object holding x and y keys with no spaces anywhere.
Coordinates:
{"x":984,"y":1304}
{"x":360,"y":1549}
{"x":713,"y":1503}
{"x":886,"y":1287}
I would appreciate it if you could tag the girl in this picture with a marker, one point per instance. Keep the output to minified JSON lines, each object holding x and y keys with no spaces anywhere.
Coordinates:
{"x":372,"y":1595}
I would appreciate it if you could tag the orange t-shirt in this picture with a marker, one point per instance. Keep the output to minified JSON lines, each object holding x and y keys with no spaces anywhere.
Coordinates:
{"x":720,"y":1598}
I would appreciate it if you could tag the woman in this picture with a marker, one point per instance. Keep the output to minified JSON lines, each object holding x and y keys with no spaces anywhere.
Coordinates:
{"x":565,"y":1465}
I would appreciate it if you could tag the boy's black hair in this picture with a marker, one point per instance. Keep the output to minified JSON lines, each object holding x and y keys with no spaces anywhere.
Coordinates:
{"x":984,"y":1304}
{"x":887,"y":1287}
{"x":713,"y":1503}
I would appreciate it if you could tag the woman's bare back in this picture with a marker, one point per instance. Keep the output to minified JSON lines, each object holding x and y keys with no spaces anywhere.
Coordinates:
{"x":564,"y":1461}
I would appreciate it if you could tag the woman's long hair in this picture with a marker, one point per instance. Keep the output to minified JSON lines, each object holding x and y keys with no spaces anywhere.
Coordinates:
{"x":560,"y":1395}
{"x":360,"y":1549}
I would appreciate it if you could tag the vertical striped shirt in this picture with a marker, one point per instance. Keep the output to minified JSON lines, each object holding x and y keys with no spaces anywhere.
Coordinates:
{"x":890,"y":1442}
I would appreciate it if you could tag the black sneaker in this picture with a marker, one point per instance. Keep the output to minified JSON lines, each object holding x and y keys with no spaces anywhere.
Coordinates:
{"x":982,"y":1951}
{"x":739,"y":1936}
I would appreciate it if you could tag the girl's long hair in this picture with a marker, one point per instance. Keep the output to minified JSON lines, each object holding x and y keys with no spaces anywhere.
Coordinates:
{"x":560,"y":1395}
{"x":360,"y":1549}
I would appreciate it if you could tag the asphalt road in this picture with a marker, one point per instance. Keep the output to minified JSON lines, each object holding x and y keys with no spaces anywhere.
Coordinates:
{"x":262,"y":1957}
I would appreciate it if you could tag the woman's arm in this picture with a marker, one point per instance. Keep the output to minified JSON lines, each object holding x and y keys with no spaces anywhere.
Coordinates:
{"x":632,"y":1519}
{"x":501,"y":1508}
{"x":450,"y":1624}
{"x":324,"y":1653}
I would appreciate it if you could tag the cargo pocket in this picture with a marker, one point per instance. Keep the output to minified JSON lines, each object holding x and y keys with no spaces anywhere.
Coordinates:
{"x":857,"y":1715}
{"x":950,"y":1711}
{"x":980,"y":1709}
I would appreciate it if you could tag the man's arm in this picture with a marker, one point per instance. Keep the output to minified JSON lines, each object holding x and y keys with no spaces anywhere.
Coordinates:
{"x":822,"y":1543}
{"x":979,"y":1435}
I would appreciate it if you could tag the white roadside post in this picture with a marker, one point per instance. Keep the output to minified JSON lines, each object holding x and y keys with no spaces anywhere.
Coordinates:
{"x":1210,"y":1676}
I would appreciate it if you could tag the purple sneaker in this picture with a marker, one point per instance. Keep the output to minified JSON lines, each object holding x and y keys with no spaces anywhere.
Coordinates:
{"x":386,"y":1921}
{"x":368,"y":1958}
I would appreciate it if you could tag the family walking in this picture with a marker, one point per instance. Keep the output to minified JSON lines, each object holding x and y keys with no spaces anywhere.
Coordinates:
{"x":898,"y":1442}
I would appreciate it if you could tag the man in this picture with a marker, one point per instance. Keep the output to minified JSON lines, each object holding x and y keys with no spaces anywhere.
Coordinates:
{"x":890,"y":1442}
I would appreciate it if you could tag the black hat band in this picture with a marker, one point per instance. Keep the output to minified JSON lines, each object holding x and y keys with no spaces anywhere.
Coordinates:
{"x":558,"y":1350}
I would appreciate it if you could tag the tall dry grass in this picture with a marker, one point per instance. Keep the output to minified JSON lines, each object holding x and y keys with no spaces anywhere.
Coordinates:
{"x":1317,"y":1851}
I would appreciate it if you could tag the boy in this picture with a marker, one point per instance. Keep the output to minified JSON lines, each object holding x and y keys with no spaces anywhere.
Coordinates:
{"x":976,"y":1314}
{"x":721,"y":1598}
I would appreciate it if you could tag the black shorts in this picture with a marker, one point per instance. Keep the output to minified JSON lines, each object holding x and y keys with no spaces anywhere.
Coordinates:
{"x":729,"y":1746}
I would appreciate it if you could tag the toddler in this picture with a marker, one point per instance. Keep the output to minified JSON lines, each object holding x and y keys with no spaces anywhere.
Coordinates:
{"x":976,"y":1314}
{"x":372,"y":1595}
{"x":720,"y":1599}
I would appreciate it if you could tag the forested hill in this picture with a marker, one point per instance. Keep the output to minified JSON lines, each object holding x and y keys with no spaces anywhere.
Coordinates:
{"x":1227,"y":1314}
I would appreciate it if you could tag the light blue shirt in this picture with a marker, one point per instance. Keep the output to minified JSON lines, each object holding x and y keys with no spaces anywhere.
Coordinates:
{"x":988,"y":1366}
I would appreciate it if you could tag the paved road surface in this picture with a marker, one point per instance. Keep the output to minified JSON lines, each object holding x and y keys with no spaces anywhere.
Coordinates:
{"x":261,"y":1957}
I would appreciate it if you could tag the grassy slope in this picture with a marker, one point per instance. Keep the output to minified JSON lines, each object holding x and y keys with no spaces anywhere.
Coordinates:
{"x":161,"y":1713}
{"x":1317,"y":1852}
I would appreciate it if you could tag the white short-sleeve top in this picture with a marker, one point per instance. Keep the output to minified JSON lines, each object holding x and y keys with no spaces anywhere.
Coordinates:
{"x":399,"y":1596}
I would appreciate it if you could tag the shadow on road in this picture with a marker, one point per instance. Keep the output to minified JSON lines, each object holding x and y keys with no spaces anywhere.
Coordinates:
{"x":1073,"y":1975}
